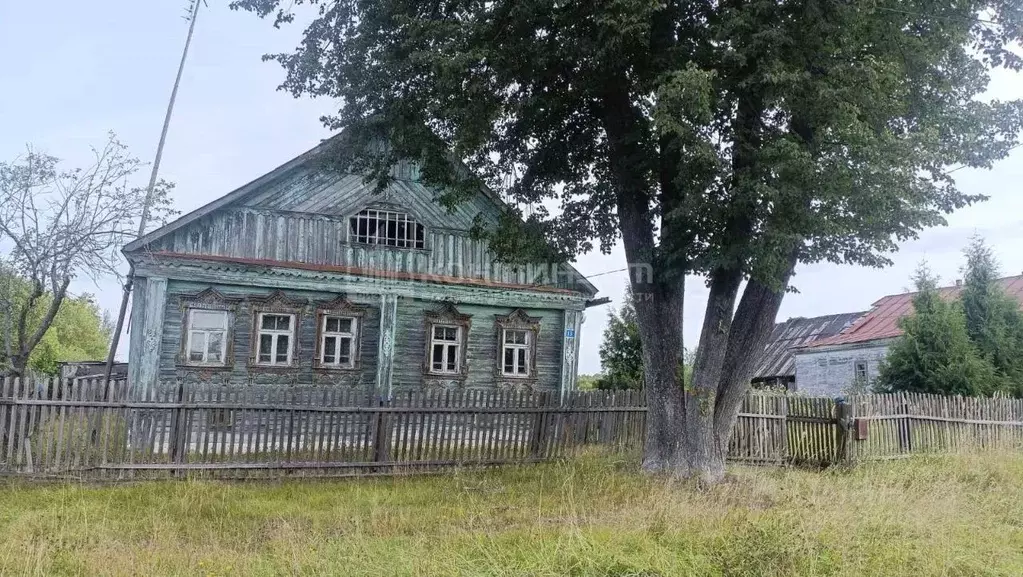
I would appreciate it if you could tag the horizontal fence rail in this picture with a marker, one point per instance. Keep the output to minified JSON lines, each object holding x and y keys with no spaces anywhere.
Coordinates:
{"x":82,"y":429}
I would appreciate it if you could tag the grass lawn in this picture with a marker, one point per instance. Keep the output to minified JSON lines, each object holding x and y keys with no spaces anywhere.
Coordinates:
{"x":594,"y":516}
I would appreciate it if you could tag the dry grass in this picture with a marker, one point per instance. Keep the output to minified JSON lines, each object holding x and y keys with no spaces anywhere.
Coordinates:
{"x":593,"y":516}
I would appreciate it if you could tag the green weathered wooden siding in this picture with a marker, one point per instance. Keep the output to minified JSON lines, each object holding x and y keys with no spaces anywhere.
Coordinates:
{"x":171,"y":367}
{"x":309,"y":190}
{"x":303,"y":218}
{"x":409,"y":352}
{"x":482,"y":346}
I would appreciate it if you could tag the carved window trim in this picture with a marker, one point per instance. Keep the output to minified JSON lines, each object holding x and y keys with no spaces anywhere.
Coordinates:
{"x":447,"y":316}
{"x":340,"y":307}
{"x":276,"y":303}
{"x":207,"y":300}
{"x":517,"y":320}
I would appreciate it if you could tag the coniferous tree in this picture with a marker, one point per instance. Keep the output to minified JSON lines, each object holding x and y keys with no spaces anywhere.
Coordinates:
{"x":994,"y":321}
{"x":621,"y":352}
{"x":935,"y":354}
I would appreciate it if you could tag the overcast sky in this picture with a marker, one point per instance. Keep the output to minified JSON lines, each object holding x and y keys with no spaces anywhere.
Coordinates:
{"x":75,"y":70}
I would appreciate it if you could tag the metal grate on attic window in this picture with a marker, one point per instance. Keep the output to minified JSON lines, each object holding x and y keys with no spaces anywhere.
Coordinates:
{"x":388,"y":228}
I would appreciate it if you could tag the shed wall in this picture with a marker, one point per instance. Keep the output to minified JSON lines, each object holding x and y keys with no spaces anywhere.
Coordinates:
{"x":832,"y":372}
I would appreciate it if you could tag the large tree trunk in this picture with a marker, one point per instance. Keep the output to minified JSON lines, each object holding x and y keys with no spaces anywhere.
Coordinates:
{"x":659,"y":316}
{"x":751,"y":328}
{"x":703,"y":457}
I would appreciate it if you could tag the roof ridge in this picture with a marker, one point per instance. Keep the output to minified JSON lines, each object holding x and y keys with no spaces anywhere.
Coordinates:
{"x":881,"y":321}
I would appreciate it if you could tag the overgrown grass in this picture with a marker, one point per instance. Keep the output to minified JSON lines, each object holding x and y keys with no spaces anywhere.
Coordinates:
{"x":594,"y":516}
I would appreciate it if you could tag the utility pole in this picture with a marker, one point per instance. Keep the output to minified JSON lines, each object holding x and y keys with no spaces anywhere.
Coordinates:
{"x":193,"y":13}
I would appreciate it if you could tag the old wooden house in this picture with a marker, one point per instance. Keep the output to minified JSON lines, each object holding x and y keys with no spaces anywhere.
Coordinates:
{"x":307,"y":275}
{"x":851,"y":360}
{"x":776,"y":366}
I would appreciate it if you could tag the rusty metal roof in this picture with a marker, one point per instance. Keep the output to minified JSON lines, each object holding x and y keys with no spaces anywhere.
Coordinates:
{"x":777,"y":359}
{"x":882,"y":321}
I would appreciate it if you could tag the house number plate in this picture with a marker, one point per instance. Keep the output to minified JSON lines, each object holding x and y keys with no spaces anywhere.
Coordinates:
{"x":569,"y":333}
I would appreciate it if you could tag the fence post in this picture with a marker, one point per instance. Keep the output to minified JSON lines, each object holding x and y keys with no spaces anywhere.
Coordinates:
{"x":536,"y":436}
{"x":382,"y":436}
{"x":843,"y":431}
{"x":178,"y":434}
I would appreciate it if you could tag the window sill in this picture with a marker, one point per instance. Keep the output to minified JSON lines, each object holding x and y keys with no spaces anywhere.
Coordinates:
{"x":367,"y":245}
{"x":330,"y":369}
{"x":449,"y":376}
{"x":517,"y":377}
{"x":274,"y":368}
{"x":195,"y":367}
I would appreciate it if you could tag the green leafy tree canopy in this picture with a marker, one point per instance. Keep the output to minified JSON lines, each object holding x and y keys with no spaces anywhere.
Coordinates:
{"x":80,"y":331}
{"x":728,"y":139}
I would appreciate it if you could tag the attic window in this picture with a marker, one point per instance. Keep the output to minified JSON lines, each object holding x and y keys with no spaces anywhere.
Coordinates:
{"x":372,"y":226}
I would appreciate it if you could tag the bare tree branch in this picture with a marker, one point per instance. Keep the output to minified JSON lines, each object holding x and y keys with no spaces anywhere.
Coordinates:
{"x":57,"y":225}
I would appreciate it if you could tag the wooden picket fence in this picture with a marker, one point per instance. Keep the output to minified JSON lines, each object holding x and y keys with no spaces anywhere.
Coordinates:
{"x":81,"y":429}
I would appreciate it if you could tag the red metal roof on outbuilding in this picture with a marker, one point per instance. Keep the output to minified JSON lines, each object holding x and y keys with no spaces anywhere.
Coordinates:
{"x":882,"y":321}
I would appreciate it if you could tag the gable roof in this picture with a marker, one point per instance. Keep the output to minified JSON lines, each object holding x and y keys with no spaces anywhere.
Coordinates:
{"x":777,"y":359}
{"x":233,"y":196}
{"x":882,"y":321}
{"x":300,"y":161}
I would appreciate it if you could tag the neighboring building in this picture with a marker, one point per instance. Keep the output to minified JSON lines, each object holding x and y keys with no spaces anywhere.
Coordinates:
{"x":851,"y":360}
{"x":776,"y":366}
{"x":90,"y":370}
{"x":308,"y":276}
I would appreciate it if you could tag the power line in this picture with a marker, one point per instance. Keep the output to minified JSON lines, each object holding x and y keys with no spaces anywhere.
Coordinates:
{"x":961,"y":167}
{"x":606,"y":272}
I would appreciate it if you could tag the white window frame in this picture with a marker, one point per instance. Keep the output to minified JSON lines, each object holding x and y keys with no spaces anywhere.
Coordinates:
{"x":226,"y":331}
{"x":525,"y":346}
{"x":446,"y":344}
{"x":856,"y":371}
{"x":275,"y":340}
{"x":353,"y":347}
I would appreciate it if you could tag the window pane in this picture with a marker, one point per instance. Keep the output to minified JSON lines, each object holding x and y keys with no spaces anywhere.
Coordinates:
{"x":437,"y":358}
{"x":509,"y":359}
{"x":209,"y":320}
{"x":522,"y":361}
{"x":329,"y":350}
{"x":332,"y":324}
{"x":452,"y":354}
{"x":344,"y":325}
{"x":197,"y":346}
{"x":265,"y":348}
{"x":438,"y":333}
{"x":283,"y":323}
{"x":344,"y":355}
{"x":384,"y":227}
{"x":214,"y":347}
{"x":282,"y":349}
